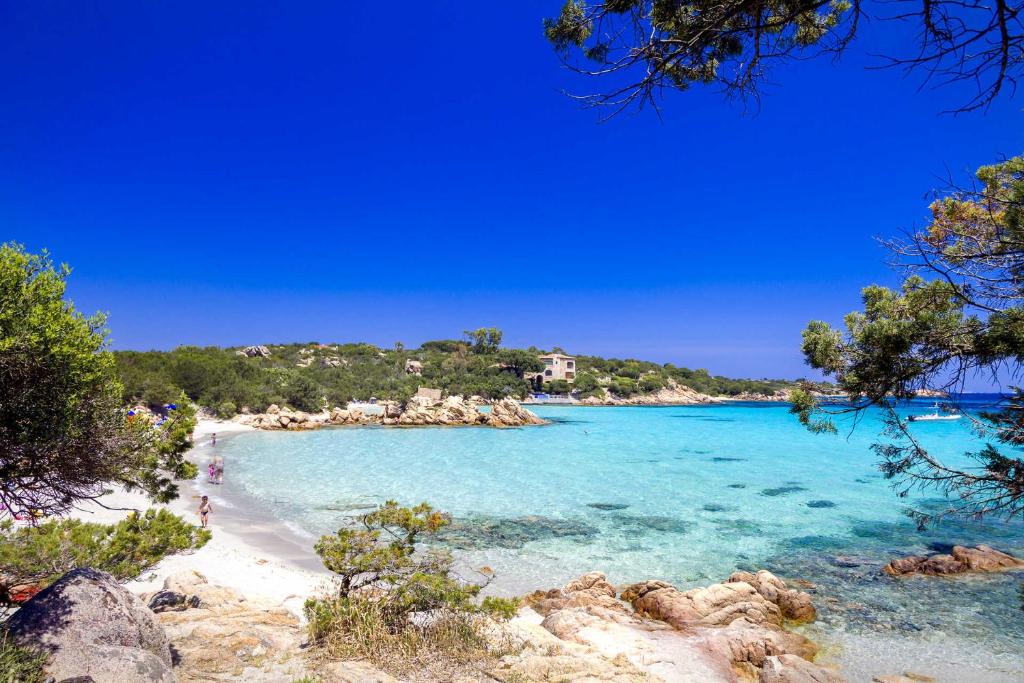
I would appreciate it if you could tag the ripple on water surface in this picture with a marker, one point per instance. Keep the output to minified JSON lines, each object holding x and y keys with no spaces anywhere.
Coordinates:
{"x":640,"y":493}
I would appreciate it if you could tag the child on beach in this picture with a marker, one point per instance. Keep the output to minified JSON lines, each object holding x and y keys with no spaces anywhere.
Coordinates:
{"x":214,"y":441}
{"x":205,"y":508}
{"x":212,"y":471}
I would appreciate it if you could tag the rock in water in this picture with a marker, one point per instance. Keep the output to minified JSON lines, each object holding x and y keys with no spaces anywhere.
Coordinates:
{"x":793,"y":669}
{"x":981,"y":558}
{"x":508,"y":413}
{"x":92,"y":626}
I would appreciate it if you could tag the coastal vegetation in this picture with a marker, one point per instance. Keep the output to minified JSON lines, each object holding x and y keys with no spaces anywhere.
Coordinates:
{"x":32,"y":558}
{"x":65,"y":432}
{"x":957,"y":315}
{"x":309,"y":376}
{"x":20,"y":664}
{"x":396,"y":606}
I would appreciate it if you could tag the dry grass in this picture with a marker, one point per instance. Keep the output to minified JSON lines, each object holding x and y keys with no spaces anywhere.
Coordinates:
{"x":431,"y":647}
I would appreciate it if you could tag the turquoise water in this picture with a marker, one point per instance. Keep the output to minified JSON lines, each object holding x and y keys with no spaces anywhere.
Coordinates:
{"x":686,"y":494}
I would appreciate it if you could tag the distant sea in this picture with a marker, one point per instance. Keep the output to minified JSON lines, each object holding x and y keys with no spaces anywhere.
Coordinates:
{"x":687,"y":494}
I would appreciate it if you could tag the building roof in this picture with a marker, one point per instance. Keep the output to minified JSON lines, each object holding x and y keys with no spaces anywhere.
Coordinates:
{"x":557,"y":355}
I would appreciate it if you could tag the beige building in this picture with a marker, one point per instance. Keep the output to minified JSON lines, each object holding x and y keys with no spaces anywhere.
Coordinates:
{"x":558,"y":366}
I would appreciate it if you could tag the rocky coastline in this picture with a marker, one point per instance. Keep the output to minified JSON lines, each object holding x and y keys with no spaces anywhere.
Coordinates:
{"x":453,"y":411}
{"x":587,"y":630}
{"x":738,"y":631}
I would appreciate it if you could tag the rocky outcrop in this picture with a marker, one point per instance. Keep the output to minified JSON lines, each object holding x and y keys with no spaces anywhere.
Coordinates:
{"x":676,"y":394}
{"x":795,"y":605}
{"x":219,"y":635}
{"x":254,"y":352}
{"x":781,"y":396}
{"x":453,"y":411}
{"x":961,"y":559}
{"x":91,"y":626}
{"x":508,"y":413}
{"x":930,"y":393}
{"x":722,"y":632}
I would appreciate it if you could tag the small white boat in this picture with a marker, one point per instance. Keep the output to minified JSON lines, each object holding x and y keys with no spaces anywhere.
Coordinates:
{"x":935,"y":416}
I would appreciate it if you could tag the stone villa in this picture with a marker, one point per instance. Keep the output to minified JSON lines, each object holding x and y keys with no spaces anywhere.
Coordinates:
{"x":557,"y":366}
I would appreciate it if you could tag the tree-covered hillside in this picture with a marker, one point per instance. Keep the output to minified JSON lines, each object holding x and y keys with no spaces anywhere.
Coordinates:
{"x":306,"y":376}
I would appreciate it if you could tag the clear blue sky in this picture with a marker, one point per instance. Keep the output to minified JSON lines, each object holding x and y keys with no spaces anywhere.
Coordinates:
{"x":402,"y":171}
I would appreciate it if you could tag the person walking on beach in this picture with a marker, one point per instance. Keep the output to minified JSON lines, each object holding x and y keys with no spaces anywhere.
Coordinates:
{"x":214,"y":442}
{"x":205,"y":508}
{"x":212,"y":471}
{"x":220,"y":471}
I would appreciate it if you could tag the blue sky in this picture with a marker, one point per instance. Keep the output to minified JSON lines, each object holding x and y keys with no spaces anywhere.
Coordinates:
{"x":269,"y":172}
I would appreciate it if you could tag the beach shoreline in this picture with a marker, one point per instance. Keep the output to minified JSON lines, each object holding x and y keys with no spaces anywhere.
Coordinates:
{"x":249,"y":550}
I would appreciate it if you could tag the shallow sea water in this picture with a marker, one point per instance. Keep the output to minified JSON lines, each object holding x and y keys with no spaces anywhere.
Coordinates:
{"x":685,"y":494}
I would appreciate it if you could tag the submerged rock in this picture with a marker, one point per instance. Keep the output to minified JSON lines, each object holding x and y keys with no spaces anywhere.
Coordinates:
{"x":474,"y":533}
{"x":981,"y":558}
{"x":607,"y":506}
{"x":793,"y":669}
{"x":820,"y":504}
{"x":782,"y":490}
{"x":640,"y":523}
{"x":90,"y":625}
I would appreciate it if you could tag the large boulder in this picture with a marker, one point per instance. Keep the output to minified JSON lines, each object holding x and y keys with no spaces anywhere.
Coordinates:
{"x":716,"y":605}
{"x":701,"y":636}
{"x":508,"y":413}
{"x":254,"y":352}
{"x":795,"y":605}
{"x":222,"y":636}
{"x":980,"y":558}
{"x":92,"y":626}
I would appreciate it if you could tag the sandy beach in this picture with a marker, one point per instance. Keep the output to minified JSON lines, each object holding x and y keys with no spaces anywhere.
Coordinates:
{"x":249,"y":551}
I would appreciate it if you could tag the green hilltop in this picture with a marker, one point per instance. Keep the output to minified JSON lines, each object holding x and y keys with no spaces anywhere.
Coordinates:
{"x":303,"y":376}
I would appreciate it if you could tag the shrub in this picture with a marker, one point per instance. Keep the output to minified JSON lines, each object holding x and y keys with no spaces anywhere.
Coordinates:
{"x":40,"y":555}
{"x":586,"y":384}
{"x":19,"y":664}
{"x":558,"y":386}
{"x":623,"y":386}
{"x":397,"y":607}
{"x":226,"y":410}
{"x":649,"y":383}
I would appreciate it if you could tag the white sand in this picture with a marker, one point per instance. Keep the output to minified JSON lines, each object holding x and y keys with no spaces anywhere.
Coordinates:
{"x":249,"y":551}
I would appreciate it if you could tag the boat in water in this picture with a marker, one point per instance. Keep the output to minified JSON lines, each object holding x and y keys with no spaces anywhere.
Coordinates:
{"x":935,"y":416}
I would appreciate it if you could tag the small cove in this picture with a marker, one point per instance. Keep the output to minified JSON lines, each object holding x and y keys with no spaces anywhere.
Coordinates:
{"x":637,"y":493}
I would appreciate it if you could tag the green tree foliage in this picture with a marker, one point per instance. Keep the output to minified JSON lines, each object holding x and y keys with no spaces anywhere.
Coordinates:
{"x":623,"y":386}
{"x":935,"y":334}
{"x":64,"y":431}
{"x":484,"y":339}
{"x":384,"y":579}
{"x":586,"y":384}
{"x":520,"y":361}
{"x":303,"y":376}
{"x":643,"y":48}
{"x":382,"y":554}
{"x":557,"y":386}
{"x":40,"y":555}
